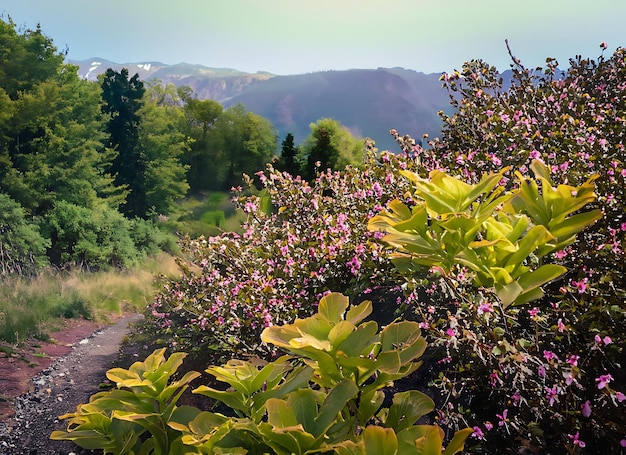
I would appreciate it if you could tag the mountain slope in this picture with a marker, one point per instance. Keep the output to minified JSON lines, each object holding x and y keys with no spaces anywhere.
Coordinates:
{"x":369,"y":102}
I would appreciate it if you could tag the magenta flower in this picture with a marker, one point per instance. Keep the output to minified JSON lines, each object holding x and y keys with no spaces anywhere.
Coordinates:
{"x":478,"y":433}
{"x":604,"y":380}
{"x":502,"y":417}
{"x":576,"y":441}
{"x":549,"y":356}
{"x":573,"y":360}
{"x":586,"y":408}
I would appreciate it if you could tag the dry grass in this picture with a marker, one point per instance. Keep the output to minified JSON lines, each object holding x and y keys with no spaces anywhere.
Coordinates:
{"x":29,"y":306}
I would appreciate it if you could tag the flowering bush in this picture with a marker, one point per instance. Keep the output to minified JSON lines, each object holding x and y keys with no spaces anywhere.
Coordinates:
{"x":547,"y":375}
{"x":300,"y":242}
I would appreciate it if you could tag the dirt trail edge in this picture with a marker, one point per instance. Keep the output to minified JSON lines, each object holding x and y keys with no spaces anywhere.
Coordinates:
{"x":58,"y":389}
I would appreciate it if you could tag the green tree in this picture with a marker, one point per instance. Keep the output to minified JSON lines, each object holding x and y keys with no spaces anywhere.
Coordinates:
{"x":54,"y":148}
{"x":202,"y":154}
{"x":240,"y":142}
{"x":123,"y":98}
{"x":26,"y":58}
{"x":288,"y":155}
{"x":329,"y":146}
{"x":163,"y":143}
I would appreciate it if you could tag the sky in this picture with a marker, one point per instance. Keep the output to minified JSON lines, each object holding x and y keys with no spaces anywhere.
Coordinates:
{"x":296,"y":36}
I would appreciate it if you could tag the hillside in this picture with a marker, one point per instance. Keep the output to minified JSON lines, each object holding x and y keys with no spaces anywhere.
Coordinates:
{"x":369,"y":102}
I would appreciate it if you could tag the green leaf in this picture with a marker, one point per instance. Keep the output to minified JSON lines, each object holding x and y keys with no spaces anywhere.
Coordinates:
{"x":380,"y":441}
{"x":333,"y":306}
{"x":334,"y":402}
{"x":457,"y":444}
{"x":407,"y":408}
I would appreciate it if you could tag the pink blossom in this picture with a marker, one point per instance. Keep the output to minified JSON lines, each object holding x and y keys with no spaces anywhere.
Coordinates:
{"x":620,"y":396}
{"x":604,"y":380}
{"x":502,"y":417}
{"x":573,"y":360}
{"x":485,"y":308}
{"x":541,"y":371}
{"x":552,"y":394}
{"x":560,"y":326}
{"x":549,"y":356}
{"x":534,"y":312}
{"x":478,"y":433}
{"x":576,"y":441}
{"x":586,"y":408}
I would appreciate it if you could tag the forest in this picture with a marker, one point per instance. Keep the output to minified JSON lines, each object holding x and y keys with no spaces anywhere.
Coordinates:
{"x":88,"y":168}
{"x":464,"y":295}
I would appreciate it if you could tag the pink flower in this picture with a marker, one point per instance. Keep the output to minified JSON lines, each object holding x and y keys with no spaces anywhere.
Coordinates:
{"x":604,"y":380}
{"x":552,"y":394}
{"x":576,"y":441}
{"x":478,"y":433}
{"x":451,"y":333}
{"x":549,"y":355}
{"x":586,"y":408}
{"x":603,"y":45}
{"x":620,"y":396}
{"x":573,"y":360}
{"x":560,"y":326}
{"x":607,"y":340}
{"x":488,"y":426}
{"x":502,"y":418}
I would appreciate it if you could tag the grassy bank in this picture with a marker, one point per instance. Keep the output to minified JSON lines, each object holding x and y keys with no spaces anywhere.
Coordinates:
{"x":32,"y":307}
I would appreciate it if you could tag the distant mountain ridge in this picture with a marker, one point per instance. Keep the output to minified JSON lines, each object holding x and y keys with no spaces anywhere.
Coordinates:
{"x":369,"y":102}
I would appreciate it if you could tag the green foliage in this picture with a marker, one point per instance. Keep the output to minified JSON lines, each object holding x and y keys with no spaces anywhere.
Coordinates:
{"x":288,"y":156}
{"x":226,"y":144}
{"x":98,"y":238}
{"x":122,"y":100}
{"x":27,"y":57}
{"x":324,"y":398}
{"x":329,"y":146}
{"x":500,"y":237}
{"x":163,"y":144}
{"x":55,"y":148}
{"x":143,"y":402}
{"x":22,"y":248}
{"x":535,"y":377}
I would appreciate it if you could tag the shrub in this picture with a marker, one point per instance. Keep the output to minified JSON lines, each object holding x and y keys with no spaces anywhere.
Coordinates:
{"x":96,"y":239}
{"x":326,"y":397}
{"x":548,"y":374}
{"x":299,"y":242}
{"x":22,"y":248}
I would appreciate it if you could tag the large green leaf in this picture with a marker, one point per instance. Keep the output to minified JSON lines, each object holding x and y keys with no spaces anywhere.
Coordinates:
{"x":407,"y":408}
{"x":380,"y":441}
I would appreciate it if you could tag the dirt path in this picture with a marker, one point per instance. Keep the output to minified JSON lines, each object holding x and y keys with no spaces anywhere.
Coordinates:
{"x":70,"y":380}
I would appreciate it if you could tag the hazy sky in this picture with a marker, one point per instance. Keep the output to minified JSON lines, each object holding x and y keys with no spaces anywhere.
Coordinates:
{"x":297,"y":36}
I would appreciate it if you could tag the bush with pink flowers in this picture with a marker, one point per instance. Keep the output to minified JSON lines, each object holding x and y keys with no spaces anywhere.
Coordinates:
{"x":546,"y":376}
{"x":542,"y":376}
{"x":301,"y":241}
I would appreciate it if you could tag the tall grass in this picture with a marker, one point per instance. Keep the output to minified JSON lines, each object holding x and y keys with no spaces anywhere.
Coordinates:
{"x":30,"y":307}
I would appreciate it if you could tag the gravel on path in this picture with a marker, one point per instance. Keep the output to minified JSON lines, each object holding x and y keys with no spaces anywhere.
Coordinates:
{"x":70,"y":381}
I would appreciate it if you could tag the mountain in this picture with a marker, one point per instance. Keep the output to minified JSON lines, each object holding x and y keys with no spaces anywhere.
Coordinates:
{"x":369,"y":102}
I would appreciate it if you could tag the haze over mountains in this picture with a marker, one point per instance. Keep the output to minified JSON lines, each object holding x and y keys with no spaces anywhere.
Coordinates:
{"x":369,"y":102}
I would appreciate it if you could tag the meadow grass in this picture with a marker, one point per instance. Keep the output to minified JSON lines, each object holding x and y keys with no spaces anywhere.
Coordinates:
{"x":32,"y":307}
{"x":205,"y":215}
